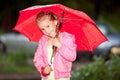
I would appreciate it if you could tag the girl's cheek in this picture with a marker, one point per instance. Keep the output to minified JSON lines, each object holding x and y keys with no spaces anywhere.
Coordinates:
{"x":44,"y":32}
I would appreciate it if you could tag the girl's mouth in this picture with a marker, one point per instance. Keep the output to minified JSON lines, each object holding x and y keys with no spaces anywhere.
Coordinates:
{"x":52,"y":34}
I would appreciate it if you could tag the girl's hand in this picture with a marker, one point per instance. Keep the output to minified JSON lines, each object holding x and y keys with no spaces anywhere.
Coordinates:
{"x":56,"y":42}
{"x":47,"y":69}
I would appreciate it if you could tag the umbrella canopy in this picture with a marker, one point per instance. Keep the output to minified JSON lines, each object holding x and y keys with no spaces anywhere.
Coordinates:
{"x":87,"y":35}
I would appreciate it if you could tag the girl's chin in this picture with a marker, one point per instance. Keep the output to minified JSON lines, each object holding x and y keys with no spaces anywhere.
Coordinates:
{"x":51,"y":36}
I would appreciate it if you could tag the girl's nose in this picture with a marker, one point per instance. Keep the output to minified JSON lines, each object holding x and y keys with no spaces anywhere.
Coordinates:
{"x":47,"y":31}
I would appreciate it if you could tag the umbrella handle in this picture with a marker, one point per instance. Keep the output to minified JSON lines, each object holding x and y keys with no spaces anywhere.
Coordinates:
{"x":53,"y":54}
{"x":57,"y":30}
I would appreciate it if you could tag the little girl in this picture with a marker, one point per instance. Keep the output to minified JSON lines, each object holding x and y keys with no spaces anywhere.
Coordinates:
{"x":54,"y":64}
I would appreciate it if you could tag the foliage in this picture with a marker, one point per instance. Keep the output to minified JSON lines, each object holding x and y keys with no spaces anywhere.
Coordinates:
{"x":99,"y":69}
{"x":16,"y":63}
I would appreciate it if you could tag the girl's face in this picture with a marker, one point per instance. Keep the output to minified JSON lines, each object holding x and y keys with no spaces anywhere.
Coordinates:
{"x":48,"y":27}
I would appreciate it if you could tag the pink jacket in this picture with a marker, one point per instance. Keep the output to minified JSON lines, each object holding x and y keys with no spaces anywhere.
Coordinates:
{"x":63,"y":58}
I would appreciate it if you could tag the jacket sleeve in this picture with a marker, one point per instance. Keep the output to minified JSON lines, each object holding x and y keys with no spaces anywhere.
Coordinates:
{"x":68,"y":48}
{"x":39,"y":59}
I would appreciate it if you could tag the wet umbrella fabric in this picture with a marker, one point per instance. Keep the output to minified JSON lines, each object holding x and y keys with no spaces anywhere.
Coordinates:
{"x":87,"y":35}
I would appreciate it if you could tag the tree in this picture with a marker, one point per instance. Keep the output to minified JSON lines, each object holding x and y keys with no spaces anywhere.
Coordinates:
{"x":105,"y":7}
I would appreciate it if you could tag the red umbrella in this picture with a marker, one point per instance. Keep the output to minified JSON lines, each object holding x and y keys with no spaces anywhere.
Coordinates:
{"x":87,"y":35}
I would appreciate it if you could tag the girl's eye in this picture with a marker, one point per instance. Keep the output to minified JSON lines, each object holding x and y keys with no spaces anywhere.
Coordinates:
{"x":42,"y":29}
{"x":47,"y":26}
